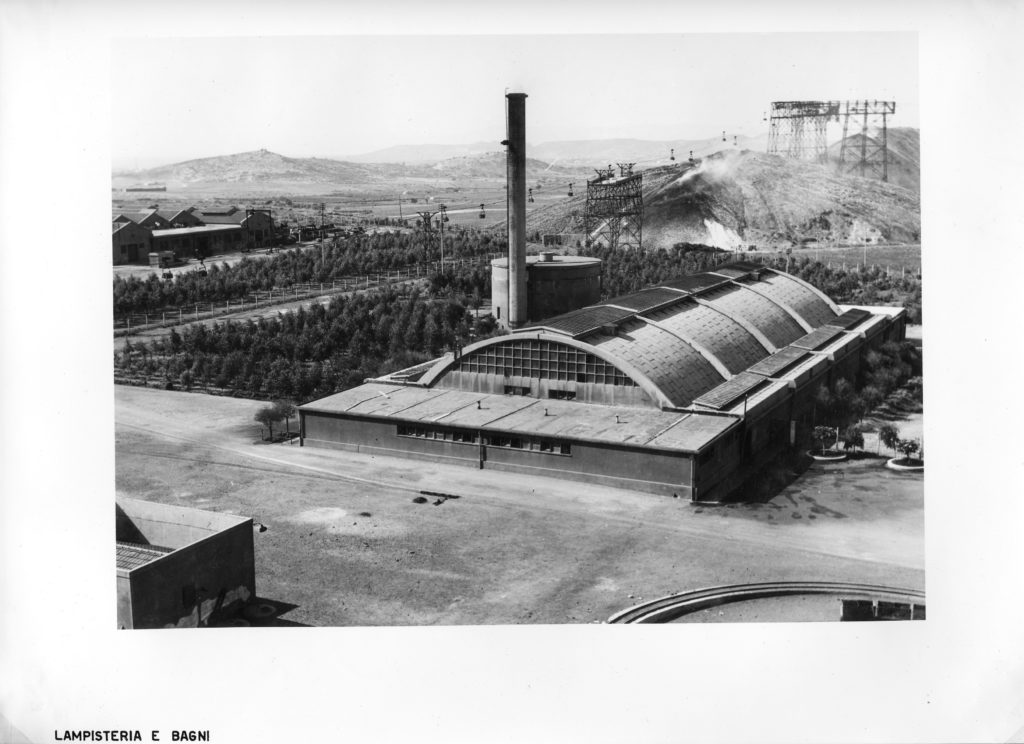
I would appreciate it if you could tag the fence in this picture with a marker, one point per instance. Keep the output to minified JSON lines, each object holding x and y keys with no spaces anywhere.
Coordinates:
{"x":295,"y":292}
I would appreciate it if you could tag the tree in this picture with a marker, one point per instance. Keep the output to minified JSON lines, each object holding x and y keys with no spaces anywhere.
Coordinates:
{"x":907,"y":448}
{"x":889,"y":435}
{"x":872,"y":398}
{"x":823,"y":436}
{"x":268,"y":416}
{"x":853,"y":437}
{"x":284,"y":410}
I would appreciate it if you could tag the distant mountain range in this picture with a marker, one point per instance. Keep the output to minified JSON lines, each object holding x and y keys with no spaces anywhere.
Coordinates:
{"x":573,"y":153}
{"x":415,"y":167}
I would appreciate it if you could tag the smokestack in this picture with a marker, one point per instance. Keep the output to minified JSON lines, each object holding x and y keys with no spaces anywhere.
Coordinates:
{"x":516,"y":178}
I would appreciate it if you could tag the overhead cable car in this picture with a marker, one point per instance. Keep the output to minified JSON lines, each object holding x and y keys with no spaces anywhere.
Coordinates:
{"x":691,"y":156}
{"x":672,"y":154}
{"x":570,"y":189}
{"x":483,"y":214}
{"x":530,"y":197}
{"x":723,"y":136}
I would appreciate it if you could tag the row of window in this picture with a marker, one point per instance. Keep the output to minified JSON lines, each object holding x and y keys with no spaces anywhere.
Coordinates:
{"x":553,"y":394}
{"x":542,"y":359}
{"x":492,"y":440}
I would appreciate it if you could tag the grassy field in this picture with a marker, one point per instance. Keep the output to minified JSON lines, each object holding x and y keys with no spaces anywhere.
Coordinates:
{"x":347,"y":545}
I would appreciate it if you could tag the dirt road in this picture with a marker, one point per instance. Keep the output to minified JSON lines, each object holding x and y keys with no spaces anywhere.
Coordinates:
{"x":348,"y":546}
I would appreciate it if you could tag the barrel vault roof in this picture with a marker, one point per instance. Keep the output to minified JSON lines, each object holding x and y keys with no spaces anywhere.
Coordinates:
{"x":690,"y":335}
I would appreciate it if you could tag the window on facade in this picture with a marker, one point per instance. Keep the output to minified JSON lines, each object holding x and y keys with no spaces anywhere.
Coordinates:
{"x":565,"y":448}
{"x":562,"y":394}
{"x":516,"y":390}
{"x":515,"y":443}
{"x":543,"y":359}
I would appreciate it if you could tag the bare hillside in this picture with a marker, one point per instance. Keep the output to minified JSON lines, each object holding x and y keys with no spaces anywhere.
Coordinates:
{"x":743,"y":198}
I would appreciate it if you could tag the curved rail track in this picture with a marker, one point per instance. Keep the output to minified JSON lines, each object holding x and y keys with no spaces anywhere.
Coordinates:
{"x":669,"y":608}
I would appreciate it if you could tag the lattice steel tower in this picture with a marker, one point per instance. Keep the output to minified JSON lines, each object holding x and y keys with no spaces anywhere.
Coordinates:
{"x":798,"y":128}
{"x":870,"y":156}
{"x":615,"y":208}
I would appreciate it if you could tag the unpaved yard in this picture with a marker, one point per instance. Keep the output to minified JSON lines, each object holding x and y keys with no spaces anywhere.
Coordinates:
{"x":346,"y":544}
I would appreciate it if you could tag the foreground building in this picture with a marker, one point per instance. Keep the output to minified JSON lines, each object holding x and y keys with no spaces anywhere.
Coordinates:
{"x":685,"y":388}
{"x":180,"y":567}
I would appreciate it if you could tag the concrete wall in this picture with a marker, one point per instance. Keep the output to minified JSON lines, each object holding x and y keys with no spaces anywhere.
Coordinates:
{"x":210,"y":571}
{"x":648,"y":470}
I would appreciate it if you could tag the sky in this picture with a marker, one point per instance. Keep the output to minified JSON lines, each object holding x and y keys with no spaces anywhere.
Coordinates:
{"x":347,"y":95}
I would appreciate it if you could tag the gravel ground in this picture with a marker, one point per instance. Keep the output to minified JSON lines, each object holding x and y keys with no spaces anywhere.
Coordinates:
{"x":346,"y":544}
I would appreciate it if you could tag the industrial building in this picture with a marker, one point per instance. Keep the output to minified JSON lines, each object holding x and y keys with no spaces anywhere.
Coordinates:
{"x":189,"y":233}
{"x":179,"y":567}
{"x":685,"y":388}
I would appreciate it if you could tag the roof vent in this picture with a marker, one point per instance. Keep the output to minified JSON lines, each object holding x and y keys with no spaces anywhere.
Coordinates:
{"x":547,"y":256}
{"x":609,"y":329}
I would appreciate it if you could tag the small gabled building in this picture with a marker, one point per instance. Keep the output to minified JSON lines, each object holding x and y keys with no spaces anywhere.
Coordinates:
{"x":131,"y":243}
{"x":150,"y":219}
{"x":182,"y":218}
{"x":257,"y":224}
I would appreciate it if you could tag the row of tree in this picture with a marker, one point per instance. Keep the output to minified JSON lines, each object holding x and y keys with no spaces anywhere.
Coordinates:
{"x":311,"y":352}
{"x":354,"y":255}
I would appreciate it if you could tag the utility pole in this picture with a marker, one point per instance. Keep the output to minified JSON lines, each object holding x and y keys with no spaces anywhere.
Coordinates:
{"x":442,"y":219}
{"x":321,"y":233}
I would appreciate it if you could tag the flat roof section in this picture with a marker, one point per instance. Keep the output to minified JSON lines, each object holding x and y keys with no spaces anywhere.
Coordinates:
{"x":569,"y":420}
{"x":647,"y":299}
{"x":693,"y":432}
{"x":817,"y":338}
{"x":850,"y":318}
{"x":779,"y":362}
{"x":696,"y":282}
{"x":755,"y":399}
{"x":580,"y":322}
{"x":527,"y":416}
{"x":729,"y":391}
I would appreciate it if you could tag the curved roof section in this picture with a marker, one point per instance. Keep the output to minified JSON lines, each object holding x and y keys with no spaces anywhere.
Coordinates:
{"x":721,"y":335}
{"x":679,"y":370}
{"x":685,"y":337}
{"x":768,"y":317}
{"x":807,"y":302}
